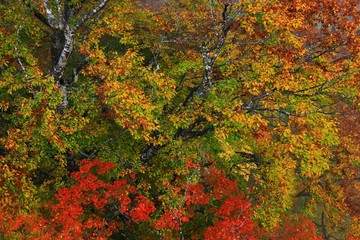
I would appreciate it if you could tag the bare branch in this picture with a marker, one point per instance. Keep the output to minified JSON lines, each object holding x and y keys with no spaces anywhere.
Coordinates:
{"x":64,"y":91}
{"x":316,"y":88}
{"x":211,"y":49}
{"x":149,"y":152}
{"x":211,"y":6}
{"x":88,"y":15}
{"x":82,"y":153}
{"x":58,"y":70}
{"x":60,"y":13}
{"x":50,"y":15}
{"x":17,"y":56}
{"x":324,"y":226}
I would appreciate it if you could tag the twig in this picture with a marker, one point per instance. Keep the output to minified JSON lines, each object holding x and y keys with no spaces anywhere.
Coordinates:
{"x":17,"y":55}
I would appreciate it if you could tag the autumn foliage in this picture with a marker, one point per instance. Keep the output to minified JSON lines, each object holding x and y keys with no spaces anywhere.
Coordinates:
{"x":205,"y":119}
{"x":95,"y":208}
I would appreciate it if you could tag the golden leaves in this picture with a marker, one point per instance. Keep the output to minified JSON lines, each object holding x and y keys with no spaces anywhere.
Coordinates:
{"x":245,"y":170}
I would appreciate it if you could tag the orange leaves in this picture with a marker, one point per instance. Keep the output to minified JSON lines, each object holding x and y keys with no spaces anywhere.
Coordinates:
{"x":67,"y":130}
{"x":11,"y":141}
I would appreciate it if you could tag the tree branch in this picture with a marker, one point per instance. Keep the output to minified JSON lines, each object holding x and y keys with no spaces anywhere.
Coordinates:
{"x":50,"y":15}
{"x":211,"y":49}
{"x":149,"y":152}
{"x":326,"y":237}
{"x":58,"y":70}
{"x":60,"y":14}
{"x":18,"y":58}
{"x":188,"y":133}
{"x":37,"y":14}
{"x":88,"y":15}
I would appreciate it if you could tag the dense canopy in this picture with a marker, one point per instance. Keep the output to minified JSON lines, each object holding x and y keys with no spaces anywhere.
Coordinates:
{"x":179,"y":119}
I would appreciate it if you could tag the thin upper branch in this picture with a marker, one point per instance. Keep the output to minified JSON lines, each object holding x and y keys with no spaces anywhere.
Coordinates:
{"x":18,"y":57}
{"x":50,"y":15}
{"x":60,"y":13}
{"x":88,"y":15}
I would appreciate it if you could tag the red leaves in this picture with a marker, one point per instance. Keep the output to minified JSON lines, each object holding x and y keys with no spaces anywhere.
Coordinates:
{"x":217,"y":196}
{"x":233,"y":221}
{"x":352,"y":238}
{"x":234,"y":216}
{"x":221,"y":185}
{"x":233,"y":205}
{"x":80,"y":210}
{"x":172,"y":218}
{"x":97,"y":164}
{"x":196,"y":195}
{"x":142,"y":210}
{"x":11,"y":223}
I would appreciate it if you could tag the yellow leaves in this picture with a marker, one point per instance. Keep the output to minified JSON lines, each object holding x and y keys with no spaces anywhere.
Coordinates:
{"x":262,"y":63}
{"x":11,"y":83}
{"x":229,"y":147}
{"x":180,"y":121}
{"x":227,"y":150}
{"x":287,"y":132}
{"x":278,"y":191}
{"x":281,"y":168}
{"x":4,"y":105}
{"x":144,"y":186}
{"x":132,"y":108}
{"x":165,"y":86}
{"x":117,"y":66}
{"x":244,"y":169}
{"x":238,"y":117}
{"x":355,"y":227}
{"x":314,"y":164}
{"x":50,"y":129}
{"x":49,"y":116}
{"x":115,"y":26}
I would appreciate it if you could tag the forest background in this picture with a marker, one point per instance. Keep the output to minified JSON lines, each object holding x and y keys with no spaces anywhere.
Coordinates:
{"x":179,"y":119}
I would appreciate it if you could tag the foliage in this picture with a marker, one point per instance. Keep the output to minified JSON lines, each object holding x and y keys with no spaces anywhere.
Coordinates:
{"x":179,"y":119}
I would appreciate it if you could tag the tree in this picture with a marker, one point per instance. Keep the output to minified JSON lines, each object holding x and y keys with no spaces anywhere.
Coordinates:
{"x":182,"y":101}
